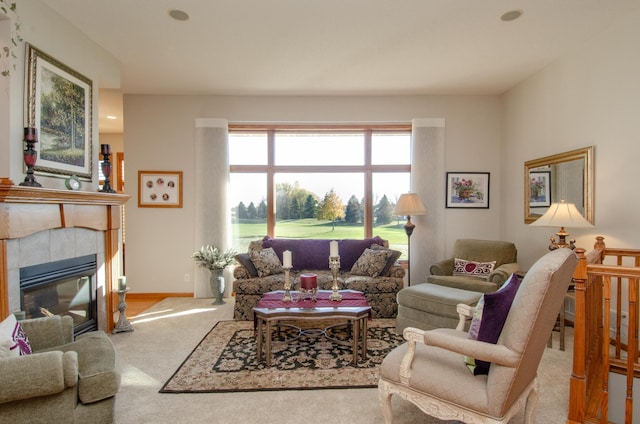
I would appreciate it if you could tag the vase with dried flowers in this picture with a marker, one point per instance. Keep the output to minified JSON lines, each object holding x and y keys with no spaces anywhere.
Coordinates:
{"x":215,"y":260}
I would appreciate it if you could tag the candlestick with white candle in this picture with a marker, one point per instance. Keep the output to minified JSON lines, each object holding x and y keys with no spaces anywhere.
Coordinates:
{"x":333,"y":248}
{"x":286,"y":264}
{"x":286,"y":259}
{"x":122,"y":283}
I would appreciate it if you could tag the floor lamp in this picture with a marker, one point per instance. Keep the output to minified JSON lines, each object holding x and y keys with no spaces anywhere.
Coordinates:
{"x":409,"y":204}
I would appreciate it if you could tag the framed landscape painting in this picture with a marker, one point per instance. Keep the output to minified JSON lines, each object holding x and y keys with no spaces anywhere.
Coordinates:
{"x":468,"y":190}
{"x":59,"y":103}
{"x":160,"y":189}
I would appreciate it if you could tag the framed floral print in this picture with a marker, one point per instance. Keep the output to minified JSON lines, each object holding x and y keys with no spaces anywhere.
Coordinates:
{"x":539,"y":189}
{"x":467,"y":190}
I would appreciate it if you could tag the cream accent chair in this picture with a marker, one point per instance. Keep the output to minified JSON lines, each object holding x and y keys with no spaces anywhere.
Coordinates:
{"x":429,"y":370}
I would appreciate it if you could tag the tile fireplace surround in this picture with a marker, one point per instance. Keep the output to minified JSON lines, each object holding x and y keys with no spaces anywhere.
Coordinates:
{"x":40,"y":225}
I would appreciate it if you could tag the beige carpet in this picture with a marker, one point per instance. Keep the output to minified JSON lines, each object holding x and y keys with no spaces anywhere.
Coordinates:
{"x":166,"y":334}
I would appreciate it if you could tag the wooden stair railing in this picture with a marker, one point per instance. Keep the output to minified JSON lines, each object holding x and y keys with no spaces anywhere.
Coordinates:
{"x":597,"y":352}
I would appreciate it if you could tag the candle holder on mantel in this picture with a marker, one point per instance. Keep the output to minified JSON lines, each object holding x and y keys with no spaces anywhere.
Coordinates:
{"x":105,"y":149}
{"x":30,"y":156}
{"x":334,"y":265}
{"x":287,"y":285}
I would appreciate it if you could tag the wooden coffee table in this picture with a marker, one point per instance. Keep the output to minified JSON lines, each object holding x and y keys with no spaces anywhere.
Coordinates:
{"x":353,"y":309}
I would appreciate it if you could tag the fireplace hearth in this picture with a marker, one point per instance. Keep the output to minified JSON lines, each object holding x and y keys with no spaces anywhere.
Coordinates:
{"x":65,"y":287}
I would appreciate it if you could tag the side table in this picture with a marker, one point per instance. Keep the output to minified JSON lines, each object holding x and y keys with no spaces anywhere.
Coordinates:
{"x":123,"y":323}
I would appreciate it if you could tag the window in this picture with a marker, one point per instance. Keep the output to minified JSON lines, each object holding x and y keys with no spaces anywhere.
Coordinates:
{"x":320,"y":182}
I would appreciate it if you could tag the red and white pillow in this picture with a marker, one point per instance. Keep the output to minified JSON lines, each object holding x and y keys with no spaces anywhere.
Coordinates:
{"x":13,"y":339}
{"x":472,"y":268}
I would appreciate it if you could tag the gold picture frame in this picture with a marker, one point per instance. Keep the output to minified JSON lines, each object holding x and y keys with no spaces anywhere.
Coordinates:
{"x":59,"y":104}
{"x":159,"y":189}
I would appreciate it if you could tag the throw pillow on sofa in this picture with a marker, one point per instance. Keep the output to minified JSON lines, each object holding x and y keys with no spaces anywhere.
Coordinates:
{"x":371,"y":262}
{"x":244,"y":260}
{"x":13,"y":339}
{"x":266,"y":262}
{"x":395,"y":255}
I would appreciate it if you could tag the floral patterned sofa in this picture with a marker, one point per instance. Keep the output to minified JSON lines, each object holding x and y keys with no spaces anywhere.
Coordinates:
{"x":366,"y":265}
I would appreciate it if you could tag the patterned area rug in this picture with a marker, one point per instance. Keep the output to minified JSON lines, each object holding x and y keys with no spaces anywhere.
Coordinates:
{"x":225,"y":360}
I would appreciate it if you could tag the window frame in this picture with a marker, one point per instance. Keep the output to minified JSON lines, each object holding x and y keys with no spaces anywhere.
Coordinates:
{"x":368,"y":169}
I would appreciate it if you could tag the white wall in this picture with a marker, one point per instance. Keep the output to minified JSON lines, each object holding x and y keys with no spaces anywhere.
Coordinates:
{"x":590,"y":97}
{"x":159,"y":135}
{"x":51,"y":33}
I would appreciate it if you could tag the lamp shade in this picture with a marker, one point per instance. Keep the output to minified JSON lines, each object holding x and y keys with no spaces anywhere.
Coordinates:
{"x":562,"y":215}
{"x":409,"y":204}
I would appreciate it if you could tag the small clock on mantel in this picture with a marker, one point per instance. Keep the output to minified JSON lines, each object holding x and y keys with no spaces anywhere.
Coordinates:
{"x":72,"y":183}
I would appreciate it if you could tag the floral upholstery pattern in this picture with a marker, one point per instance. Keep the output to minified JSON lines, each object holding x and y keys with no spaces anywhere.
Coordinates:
{"x":371,"y":262}
{"x":380,"y":291}
{"x":266,"y":262}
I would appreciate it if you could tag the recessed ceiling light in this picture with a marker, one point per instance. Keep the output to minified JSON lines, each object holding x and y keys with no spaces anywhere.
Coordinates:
{"x":512,"y":15}
{"x":111,"y":117}
{"x":179,"y":15}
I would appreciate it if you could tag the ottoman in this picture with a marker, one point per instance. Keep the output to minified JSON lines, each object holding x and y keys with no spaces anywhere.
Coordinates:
{"x":427,"y":306}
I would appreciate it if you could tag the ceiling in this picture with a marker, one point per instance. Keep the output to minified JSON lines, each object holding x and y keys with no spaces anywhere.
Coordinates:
{"x":331,"y":47}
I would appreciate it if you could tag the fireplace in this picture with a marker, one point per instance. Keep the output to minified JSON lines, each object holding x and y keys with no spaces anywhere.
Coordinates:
{"x":65,"y":287}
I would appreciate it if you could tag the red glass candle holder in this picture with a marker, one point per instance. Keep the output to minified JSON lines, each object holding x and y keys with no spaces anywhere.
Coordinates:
{"x":30,"y":156}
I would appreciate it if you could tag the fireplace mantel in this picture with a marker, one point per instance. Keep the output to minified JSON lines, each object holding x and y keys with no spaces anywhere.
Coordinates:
{"x":28,"y":210}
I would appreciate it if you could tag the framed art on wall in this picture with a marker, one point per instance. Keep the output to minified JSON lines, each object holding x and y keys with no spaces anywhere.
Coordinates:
{"x":539,"y":189}
{"x":59,"y":103}
{"x":160,"y":189}
{"x":467,"y":190}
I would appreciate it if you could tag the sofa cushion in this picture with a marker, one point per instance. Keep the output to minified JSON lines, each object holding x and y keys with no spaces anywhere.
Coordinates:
{"x":266,"y":262}
{"x":312,"y":254}
{"x":463,"y":282}
{"x":472,"y":268}
{"x":489,"y":318}
{"x":371,"y":262}
{"x":13,"y":339}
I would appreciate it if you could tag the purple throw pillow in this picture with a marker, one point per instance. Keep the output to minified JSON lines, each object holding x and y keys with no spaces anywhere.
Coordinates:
{"x":494,"y":314}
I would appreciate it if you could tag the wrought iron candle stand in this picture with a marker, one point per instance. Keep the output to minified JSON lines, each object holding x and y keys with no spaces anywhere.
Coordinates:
{"x":105,"y":149}
{"x":30,"y":156}
{"x":334,"y":265}
{"x":287,"y":285}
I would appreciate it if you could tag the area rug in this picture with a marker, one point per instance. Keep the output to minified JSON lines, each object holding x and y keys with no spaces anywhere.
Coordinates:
{"x":225,"y":361}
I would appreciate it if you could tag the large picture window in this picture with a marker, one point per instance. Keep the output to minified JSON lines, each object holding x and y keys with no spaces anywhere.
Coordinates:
{"x":320,"y":182}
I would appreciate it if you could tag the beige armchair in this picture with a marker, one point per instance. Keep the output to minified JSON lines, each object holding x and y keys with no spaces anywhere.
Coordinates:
{"x":62,"y":381}
{"x":503,"y":252}
{"x":430,"y":370}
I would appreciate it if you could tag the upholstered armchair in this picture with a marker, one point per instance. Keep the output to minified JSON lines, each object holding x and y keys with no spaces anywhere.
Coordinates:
{"x":431,"y":370}
{"x":62,"y":381}
{"x":503,"y":253}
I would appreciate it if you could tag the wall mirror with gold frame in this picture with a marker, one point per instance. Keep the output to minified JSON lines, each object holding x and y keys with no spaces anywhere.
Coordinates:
{"x":566,"y":176}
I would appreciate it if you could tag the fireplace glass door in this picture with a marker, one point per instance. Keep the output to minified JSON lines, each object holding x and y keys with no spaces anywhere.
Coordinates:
{"x":61,"y":288}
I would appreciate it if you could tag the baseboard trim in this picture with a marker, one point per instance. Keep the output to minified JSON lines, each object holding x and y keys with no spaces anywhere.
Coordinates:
{"x":154,"y":297}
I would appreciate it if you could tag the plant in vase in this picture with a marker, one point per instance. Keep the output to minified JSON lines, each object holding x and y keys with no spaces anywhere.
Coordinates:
{"x":215,"y":260}
{"x":465,"y":188}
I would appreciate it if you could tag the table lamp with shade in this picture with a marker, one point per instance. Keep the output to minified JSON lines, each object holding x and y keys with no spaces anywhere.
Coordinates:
{"x":409,"y":204}
{"x":562,"y":215}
